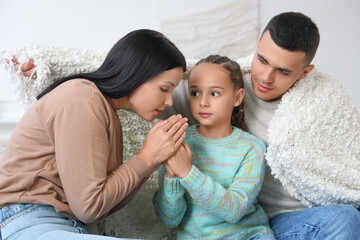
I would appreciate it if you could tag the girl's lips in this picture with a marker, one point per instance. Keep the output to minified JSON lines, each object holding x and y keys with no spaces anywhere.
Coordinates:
{"x":262,"y":88}
{"x":205,"y":115}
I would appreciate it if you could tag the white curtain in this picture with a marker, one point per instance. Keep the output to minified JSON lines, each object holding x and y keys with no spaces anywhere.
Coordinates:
{"x":230,"y":29}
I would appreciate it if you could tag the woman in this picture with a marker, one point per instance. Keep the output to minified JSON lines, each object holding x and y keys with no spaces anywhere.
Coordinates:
{"x":63,"y":165}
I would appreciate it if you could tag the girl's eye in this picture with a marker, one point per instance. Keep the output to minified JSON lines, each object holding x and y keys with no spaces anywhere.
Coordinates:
{"x":195,"y":94}
{"x":215,"y":94}
{"x":164,"y":90}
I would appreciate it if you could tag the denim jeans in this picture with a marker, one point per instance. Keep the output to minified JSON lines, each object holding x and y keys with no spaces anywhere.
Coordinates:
{"x":336,"y":222}
{"x":263,"y":237}
{"x":40,"y":222}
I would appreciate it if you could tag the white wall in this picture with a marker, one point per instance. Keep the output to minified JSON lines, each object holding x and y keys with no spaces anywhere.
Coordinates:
{"x":98,"y":24}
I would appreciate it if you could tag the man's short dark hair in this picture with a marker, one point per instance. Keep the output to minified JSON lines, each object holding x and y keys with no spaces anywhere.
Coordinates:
{"x":294,"y":31}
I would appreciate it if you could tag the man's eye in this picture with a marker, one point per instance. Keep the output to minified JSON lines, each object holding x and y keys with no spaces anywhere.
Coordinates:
{"x":262,"y":60}
{"x":164,"y":90}
{"x":284,"y":72}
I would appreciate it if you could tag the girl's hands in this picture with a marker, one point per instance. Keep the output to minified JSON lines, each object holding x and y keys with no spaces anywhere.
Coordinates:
{"x":169,"y":172}
{"x":179,"y":164}
{"x":27,"y":69}
{"x":163,"y":140}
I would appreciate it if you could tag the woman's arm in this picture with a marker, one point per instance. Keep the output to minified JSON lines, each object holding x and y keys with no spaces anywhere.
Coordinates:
{"x":91,"y":177}
{"x":233,"y":203}
{"x":79,"y":134}
{"x":51,"y":64}
{"x":168,"y":200}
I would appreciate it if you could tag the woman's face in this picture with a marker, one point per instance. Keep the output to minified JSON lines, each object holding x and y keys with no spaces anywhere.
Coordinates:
{"x":153,"y":96}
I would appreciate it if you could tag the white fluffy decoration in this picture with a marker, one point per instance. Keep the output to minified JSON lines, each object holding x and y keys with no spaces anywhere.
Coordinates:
{"x":314,"y":142}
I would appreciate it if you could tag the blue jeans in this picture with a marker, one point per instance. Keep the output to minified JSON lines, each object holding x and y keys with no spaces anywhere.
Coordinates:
{"x":40,"y":222}
{"x":263,"y":237}
{"x":328,"y":222}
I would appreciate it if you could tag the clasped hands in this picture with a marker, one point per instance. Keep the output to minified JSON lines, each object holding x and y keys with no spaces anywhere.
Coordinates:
{"x":165,"y":144}
{"x":179,"y":164}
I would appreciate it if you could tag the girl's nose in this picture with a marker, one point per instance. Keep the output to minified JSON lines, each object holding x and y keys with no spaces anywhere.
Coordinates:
{"x":204,"y":102}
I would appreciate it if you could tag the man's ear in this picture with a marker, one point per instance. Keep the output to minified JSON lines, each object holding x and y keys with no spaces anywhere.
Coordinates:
{"x":239,"y":97}
{"x":306,"y":71}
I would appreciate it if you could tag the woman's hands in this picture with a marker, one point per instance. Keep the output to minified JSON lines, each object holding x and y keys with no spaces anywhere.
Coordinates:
{"x":27,"y":69}
{"x":163,"y":140}
{"x":179,"y":164}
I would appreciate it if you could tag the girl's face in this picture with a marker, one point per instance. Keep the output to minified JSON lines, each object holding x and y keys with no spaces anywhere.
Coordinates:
{"x":212,"y":95}
{"x":153,"y":96}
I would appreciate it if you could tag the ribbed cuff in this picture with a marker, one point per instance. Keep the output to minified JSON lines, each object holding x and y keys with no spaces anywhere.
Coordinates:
{"x":193,"y":180}
{"x":173,"y":186}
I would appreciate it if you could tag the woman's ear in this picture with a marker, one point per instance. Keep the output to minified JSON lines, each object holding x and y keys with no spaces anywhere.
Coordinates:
{"x":240,"y":93}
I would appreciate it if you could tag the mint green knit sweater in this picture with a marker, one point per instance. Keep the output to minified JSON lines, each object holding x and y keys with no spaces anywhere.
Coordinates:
{"x":217,"y":200}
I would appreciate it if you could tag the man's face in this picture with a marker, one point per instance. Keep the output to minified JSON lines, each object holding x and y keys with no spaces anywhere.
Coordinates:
{"x":275,"y":70}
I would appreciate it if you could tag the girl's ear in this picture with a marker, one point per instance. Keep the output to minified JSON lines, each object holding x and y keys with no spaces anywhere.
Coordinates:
{"x":239,"y":97}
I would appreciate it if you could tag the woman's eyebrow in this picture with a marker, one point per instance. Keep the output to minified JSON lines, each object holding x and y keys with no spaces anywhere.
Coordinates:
{"x":172,"y":84}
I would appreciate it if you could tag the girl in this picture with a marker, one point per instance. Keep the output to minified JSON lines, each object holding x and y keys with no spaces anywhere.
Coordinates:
{"x":213,"y":195}
{"x":63,"y":166}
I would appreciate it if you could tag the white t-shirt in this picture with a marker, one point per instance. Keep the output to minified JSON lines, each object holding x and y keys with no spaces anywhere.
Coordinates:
{"x":272,"y":197}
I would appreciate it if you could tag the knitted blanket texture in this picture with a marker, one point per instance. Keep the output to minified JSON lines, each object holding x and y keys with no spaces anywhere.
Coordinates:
{"x":314,"y":142}
{"x":314,"y":135}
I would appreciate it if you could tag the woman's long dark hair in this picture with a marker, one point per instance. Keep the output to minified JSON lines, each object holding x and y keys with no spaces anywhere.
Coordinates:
{"x":134,"y":59}
{"x":234,"y":70}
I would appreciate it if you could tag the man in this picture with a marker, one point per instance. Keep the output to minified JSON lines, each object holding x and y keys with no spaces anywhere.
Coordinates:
{"x":283,"y":56}
{"x":276,"y":82}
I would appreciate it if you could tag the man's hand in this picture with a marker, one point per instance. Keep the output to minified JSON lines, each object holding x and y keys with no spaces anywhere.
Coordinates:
{"x":27,"y":69}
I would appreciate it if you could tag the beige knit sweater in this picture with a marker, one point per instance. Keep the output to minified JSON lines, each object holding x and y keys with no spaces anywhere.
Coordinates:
{"x":67,"y":152}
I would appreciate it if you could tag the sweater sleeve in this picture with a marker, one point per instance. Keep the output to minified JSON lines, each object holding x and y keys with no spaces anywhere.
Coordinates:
{"x":235,"y":202}
{"x":79,"y":134}
{"x":169,"y":201}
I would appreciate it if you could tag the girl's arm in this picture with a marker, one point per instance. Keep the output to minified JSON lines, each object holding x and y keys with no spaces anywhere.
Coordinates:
{"x":168,"y":200}
{"x":233,"y":203}
{"x":51,"y":64}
